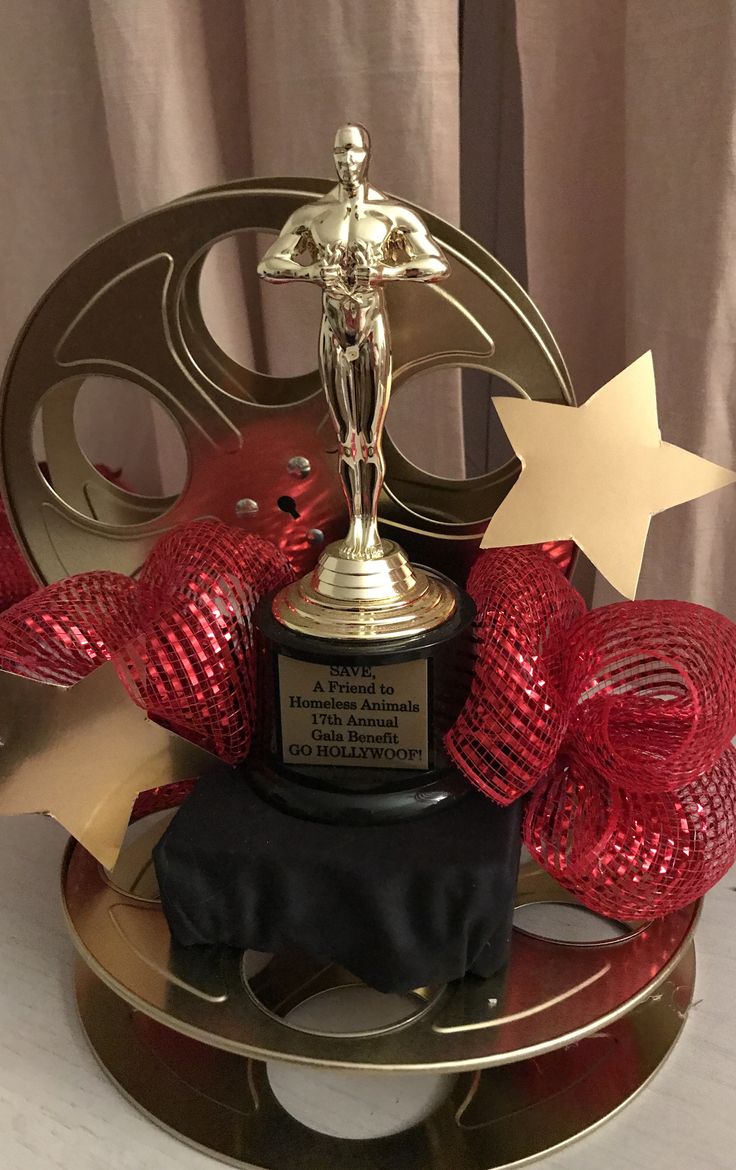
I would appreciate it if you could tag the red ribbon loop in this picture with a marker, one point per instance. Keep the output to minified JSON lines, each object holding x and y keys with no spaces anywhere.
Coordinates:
{"x":181,"y":638}
{"x":510,"y":729}
{"x":60,"y":633}
{"x":637,"y":813}
{"x":192,"y":665}
{"x":652,"y":692}
{"x":634,"y":855}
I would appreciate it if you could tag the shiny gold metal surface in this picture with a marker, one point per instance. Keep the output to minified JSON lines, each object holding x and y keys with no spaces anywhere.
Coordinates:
{"x":551,"y":995}
{"x":83,"y":753}
{"x":130,"y":307}
{"x":385,"y":597}
{"x":224,"y":1105}
{"x":353,"y":243}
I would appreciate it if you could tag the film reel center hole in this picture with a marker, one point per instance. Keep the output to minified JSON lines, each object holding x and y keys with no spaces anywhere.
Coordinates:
{"x":354,"y":1105}
{"x":567,"y":922}
{"x":248,"y":318}
{"x":287,"y":504}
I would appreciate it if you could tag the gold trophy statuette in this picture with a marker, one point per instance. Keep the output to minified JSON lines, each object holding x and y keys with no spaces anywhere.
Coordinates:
{"x":351,"y":242}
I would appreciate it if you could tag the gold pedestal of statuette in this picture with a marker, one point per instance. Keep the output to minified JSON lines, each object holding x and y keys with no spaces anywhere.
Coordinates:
{"x":386,"y":597}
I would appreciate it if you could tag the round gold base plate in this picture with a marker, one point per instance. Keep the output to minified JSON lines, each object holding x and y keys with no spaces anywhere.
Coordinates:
{"x":223,"y":1104}
{"x":343,"y":599}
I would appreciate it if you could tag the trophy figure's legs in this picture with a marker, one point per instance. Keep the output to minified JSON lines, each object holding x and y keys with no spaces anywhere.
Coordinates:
{"x":358,"y":390}
{"x":361,"y":587}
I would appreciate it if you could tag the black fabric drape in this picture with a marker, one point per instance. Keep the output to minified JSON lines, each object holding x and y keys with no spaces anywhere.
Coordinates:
{"x":399,"y":905}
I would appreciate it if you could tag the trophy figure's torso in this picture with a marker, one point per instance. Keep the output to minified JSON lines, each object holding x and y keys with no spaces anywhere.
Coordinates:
{"x":357,"y":235}
{"x":351,"y":239}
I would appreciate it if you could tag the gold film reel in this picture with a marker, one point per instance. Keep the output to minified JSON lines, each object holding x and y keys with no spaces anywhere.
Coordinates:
{"x":130,"y":308}
{"x":535,"y":1056}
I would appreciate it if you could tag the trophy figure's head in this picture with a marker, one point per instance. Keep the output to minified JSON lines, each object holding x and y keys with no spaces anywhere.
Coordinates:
{"x":352,"y":152}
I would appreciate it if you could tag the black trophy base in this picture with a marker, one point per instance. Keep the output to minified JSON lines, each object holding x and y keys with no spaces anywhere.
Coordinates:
{"x":316,"y":795}
{"x":400,"y":905}
{"x":356,"y":731}
{"x":320,"y":841}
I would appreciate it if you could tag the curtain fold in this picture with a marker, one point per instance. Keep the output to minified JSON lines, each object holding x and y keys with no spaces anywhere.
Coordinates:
{"x":114,"y":108}
{"x":629,"y":112}
{"x":491,"y":189}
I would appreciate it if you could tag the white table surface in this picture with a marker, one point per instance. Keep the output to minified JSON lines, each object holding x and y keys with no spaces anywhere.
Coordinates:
{"x":59,"y":1112}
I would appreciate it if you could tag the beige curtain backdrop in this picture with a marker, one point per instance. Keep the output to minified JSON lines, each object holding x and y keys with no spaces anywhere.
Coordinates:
{"x":630,"y":178}
{"x":111,"y":107}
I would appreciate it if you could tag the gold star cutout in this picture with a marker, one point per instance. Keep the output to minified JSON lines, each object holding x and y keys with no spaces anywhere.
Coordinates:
{"x":83,"y":753}
{"x":596,"y":474}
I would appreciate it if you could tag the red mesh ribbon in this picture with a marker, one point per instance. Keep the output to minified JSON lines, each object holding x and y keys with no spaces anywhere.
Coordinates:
{"x":561,"y":552}
{"x":181,"y":638}
{"x":192,"y":666}
{"x":652,"y":691}
{"x":509,"y":731}
{"x":634,"y":855}
{"x":60,"y":633}
{"x":637,"y":814}
{"x":155,"y":800}
{"x":639,"y":817}
{"x":16,"y":580}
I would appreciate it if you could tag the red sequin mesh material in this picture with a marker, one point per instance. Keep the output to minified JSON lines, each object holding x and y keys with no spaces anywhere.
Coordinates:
{"x":192,"y":666}
{"x":181,"y":638}
{"x":561,"y":552}
{"x":634,"y":855}
{"x":16,"y":580}
{"x":509,"y":730}
{"x":652,"y":687}
{"x":155,"y":800}
{"x":62,"y":632}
